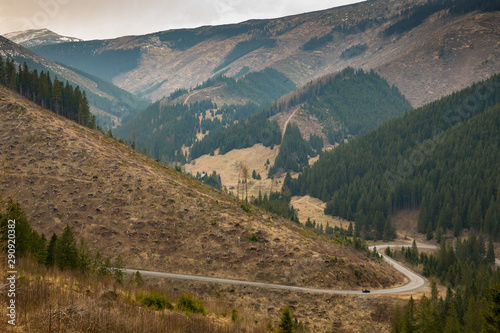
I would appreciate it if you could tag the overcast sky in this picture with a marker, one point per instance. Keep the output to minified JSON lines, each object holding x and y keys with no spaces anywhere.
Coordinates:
{"x":100,"y":19}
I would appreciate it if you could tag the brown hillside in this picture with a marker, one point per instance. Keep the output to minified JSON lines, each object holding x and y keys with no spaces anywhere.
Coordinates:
{"x":125,"y":204}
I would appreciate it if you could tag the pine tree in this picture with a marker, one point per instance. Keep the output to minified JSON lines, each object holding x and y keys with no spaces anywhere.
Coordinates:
{"x":42,"y":250}
{"x":472,"y":317}
{"x":51,"y":251}
{"x":350,"y":230}
{"x":492,"y":314}
{"x":286,"y":321}
{"x":84,"y":256}
{"x":452,"y":321}
{"x":397,"y":320}
{"x":409,"y":317}
{"x":138,"y":278}
{"x":24,"y":234}
{"x":56,"y":101}
{"x":66,"y":250}
{"x":118,"y":269}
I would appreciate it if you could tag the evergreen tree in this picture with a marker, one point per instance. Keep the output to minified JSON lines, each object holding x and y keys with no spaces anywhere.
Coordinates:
{"x":25,"y":242}
{"x":286,"y":321}
{"x":452,"y":322}
{"x":84,"y":256}
{"x":118,"y":270}
{"x":472,"y":317}
{"x":51,"y":251}
{"x":66,"y":251}
{"x":492,"y":314}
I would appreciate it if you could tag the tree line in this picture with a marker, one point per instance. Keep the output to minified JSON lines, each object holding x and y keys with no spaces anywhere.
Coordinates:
{"x":51,"y":94}
{"x":164,"y":128}
{"x":347,"y":103}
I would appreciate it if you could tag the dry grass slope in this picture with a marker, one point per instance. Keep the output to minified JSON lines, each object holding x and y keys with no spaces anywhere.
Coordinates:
{"x":125,"y":204}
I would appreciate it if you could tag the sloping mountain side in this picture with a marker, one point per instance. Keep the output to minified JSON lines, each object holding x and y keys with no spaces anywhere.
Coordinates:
{"x":337,"y":106}
{"x":167,"y":127}
{"x":346,"y":104}
{"x":261,"y":87}
{"x":38,"y":37}
{"x":420,"y":57}
{"x":109,"y":103}
{"x":442,"y":158}
{"x":126,"y":204}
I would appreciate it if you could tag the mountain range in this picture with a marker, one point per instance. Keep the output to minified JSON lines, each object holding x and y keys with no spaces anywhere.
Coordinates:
{"x":421,"y":60}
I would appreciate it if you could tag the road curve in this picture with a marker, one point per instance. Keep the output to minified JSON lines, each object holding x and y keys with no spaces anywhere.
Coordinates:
{"x":416,"y":281}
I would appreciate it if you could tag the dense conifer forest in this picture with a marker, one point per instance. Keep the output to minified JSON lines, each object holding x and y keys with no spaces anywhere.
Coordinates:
{"x":442,"y":158}
{"x":51,"y":94}
{"x":294,"y":152}
{"x":473,"y":291}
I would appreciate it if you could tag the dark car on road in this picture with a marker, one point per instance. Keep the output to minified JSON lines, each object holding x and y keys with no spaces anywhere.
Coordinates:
{"x":366,"y":291}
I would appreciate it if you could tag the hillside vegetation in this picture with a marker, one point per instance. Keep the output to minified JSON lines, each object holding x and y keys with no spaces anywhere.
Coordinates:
{"x":347,"y":103}
{"x":441,"y":158}
{"x":166,"y":126}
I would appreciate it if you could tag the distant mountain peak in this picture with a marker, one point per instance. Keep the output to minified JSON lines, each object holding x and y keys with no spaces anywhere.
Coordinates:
{"x":38,"y":37}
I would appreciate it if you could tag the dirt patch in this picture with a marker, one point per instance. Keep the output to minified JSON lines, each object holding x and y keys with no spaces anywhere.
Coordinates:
{"x":227,"y":165}
{"x":313,"y":208}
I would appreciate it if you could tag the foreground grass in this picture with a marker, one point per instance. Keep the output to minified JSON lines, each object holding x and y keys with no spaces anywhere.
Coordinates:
{"x":55,"y":301}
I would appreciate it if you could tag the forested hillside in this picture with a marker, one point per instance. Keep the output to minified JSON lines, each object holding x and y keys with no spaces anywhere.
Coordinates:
{"x":294,"y":152}
{"x":473,"y":290}
{"x":434,"y":158}
{"x":262,"y":87}
{"x":347,"y":103}
{"x":168,"y":125}
{"x":53,"y":94}
{"x":110,"y":104}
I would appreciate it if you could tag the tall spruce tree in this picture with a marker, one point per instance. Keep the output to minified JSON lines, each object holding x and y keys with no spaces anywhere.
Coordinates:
{"x":66,"y":250}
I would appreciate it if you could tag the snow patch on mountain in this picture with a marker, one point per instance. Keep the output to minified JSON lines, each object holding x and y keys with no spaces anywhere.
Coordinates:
{"x":38,"y":37}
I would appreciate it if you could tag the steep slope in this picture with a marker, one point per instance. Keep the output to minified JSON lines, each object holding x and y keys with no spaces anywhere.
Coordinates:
{"x":38,"y":37}
{"x":334,"y":107}
{"x":186,"y":116}
{"x":442,"y":158}
{"x":421,"y":61}
{"x":154,"y":217}
{"x":109,"y":103}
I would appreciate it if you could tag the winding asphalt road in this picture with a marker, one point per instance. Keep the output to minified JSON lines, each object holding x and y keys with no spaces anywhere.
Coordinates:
{"x":415,"y":283}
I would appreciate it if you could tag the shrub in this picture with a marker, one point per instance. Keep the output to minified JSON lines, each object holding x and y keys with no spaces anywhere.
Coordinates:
{"x":154,"y":300}
{"x":188,"y":304}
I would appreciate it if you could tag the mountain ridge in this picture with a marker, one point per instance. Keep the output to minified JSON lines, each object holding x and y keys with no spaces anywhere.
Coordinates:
{"x":157,"y":60}
{"x":38,"y":37}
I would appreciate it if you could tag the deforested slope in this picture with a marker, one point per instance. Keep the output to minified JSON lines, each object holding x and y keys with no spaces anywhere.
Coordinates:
{"x":126,"y":204}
